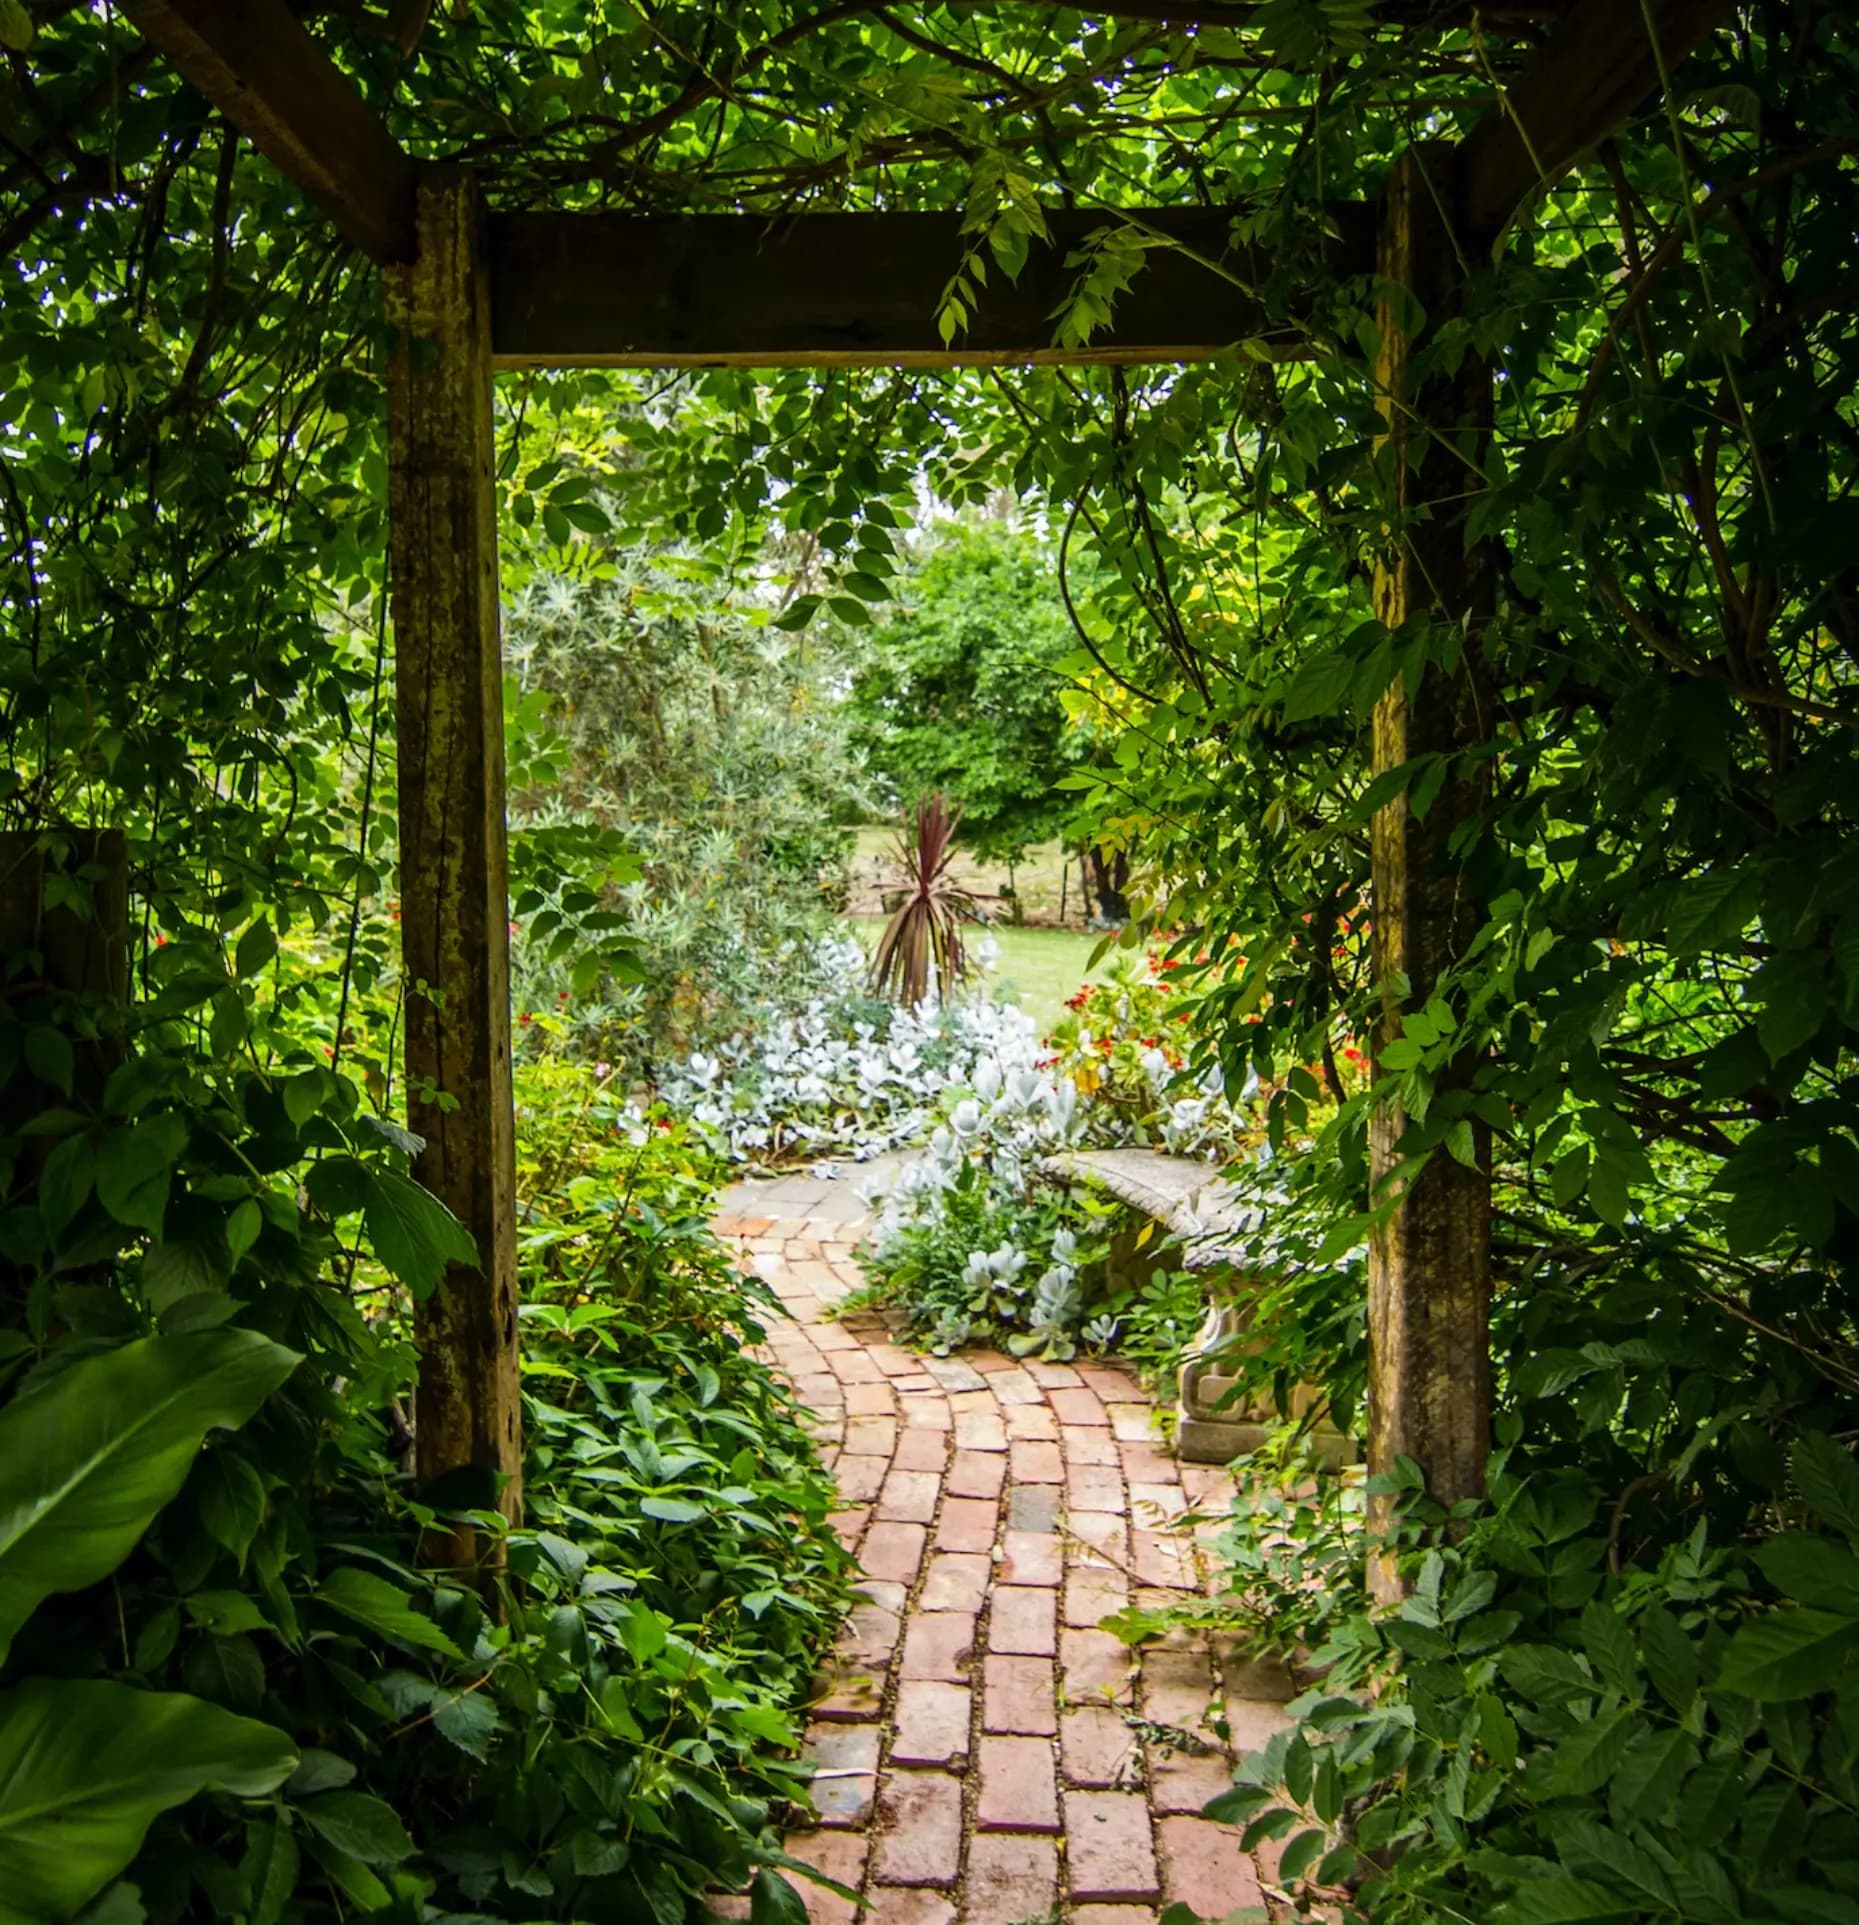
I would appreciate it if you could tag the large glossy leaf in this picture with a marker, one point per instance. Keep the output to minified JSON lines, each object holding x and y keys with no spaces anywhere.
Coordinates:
{"x":1789,"y":1653}
{"x":87,"y":1461}
{"x":85,"y":1768}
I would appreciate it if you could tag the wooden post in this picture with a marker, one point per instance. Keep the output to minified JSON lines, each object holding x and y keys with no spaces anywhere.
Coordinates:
{"x":454,"y":891}
{"x":1429,"y":1264}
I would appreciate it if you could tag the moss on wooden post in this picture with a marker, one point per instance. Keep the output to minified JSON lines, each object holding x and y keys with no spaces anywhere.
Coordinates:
{"x":454,"y":893}
{"x":1430,"y":1262}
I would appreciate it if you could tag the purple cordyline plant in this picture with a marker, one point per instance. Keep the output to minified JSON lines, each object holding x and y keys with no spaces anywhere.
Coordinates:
{"x":922,"y":942}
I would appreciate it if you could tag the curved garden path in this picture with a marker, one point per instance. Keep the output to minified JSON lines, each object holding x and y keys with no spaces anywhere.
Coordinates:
{"x":987,"y":1755}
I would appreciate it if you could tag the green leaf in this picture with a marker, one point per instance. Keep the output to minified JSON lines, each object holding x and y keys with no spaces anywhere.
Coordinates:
{"x":85,"y":1768}
{"x":672,"y":1510}
{"x":356,"y":1882}
{"x":1813,"y":1570}
{"x":319,"y":1771}
{"x":134,"y":1165}
{"x":1586,"y":1758}
{"x":1789,"y":1653}
{"x":49,"y":1056}
{"x":15,"y":25}
{"x":1607,"y":1190}
{"x":1589,"y":1848}
{"x":1320,"y":687}
{"x":643,"y":1633}
{"x":1828,"y":1480}
{"x":1609,"y":1646}
{"x":231,"y":1496}
{"x":88,"y":1458}
{"x":1671,"y":1660}
{"x":269,"y":1869}
{"x":1545,"y":1674}
{"x":1300,"y":1854}
{"x":468,"y":1719}
{"x":243,"y":1226}
{"x":384,"y":1608}
{"x":226,"y":1613}
{"x":413,"y":1233}
{"x":359,"y":1825}
{"x":182,"y":1268}
{"x":1562,"y":1901}
{"x":773,"y":1901}
{"x":256,"y":948}
{"x":64,"y":1183}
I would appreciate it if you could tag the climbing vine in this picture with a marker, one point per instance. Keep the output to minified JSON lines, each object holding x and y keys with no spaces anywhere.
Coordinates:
{"x":201,"y":1182}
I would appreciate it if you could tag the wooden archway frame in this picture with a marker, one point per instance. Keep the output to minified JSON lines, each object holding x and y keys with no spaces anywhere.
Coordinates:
{"x":470,"y":292}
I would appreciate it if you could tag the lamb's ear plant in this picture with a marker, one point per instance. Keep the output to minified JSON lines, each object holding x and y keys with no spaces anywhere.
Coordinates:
{"x":921,"y":947}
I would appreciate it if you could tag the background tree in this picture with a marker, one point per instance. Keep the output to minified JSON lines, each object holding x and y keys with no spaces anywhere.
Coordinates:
{"x":717,"y":744}
{"x":960,"y":690}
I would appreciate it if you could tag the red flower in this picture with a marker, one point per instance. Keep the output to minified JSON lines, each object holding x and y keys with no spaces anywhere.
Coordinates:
{"x":525,"y":1019}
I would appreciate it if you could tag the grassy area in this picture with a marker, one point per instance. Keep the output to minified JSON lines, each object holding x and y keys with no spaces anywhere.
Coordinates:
{"x":1039,"y":879}
{"x":1038,"y":968}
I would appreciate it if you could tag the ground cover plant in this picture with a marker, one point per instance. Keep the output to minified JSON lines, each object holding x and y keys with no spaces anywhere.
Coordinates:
{"x":229,"y":1257}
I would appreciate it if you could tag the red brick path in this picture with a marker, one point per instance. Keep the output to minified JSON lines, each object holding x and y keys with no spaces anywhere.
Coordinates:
{"x":986,"y":1755}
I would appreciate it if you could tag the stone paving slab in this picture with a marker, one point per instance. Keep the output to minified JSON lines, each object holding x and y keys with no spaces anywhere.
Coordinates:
{"x":988,"y":1756}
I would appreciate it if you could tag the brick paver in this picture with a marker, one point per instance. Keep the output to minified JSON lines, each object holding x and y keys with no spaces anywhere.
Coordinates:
{"x":985,"y":1753}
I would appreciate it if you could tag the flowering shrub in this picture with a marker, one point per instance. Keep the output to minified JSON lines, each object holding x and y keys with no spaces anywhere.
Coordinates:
{"x":1123,"y":1045}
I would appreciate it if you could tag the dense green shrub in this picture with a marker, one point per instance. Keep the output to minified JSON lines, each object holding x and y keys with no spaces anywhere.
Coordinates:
{"x":715,"y":744}
{"x":617,"y":1732}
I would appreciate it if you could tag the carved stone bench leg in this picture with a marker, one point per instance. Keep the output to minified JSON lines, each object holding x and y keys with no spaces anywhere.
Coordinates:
{"x":1211,"y":1430}
{"x":1207,"y":1432}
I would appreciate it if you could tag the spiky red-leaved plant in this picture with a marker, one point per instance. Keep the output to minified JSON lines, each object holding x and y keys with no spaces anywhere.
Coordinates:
{"x":922,"y":942}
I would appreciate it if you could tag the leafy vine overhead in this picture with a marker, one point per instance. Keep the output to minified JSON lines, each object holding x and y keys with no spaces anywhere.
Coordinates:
{"x":780,"y":105}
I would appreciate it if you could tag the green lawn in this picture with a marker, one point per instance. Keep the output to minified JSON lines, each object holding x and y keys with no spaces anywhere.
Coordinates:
{"x":1038,"y":878}
{"x":1038,"y":968}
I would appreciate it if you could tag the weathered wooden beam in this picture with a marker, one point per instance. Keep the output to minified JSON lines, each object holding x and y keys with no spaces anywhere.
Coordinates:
{"x":1602,"y":60}
{"x":864,"y":290}
{"x":454,"y":873}
{"x":1429,"y":1395}
{"x":257,"y":64}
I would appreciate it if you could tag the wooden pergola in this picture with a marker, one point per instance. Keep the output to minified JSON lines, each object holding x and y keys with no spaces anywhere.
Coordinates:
{"x":471,"y":291}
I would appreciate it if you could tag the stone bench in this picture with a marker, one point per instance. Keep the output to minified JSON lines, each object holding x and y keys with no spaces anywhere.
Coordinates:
{"x":1200,"y":1213}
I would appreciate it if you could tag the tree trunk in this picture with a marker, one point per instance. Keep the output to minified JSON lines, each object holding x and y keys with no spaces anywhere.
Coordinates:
{"x":1109,"y":874}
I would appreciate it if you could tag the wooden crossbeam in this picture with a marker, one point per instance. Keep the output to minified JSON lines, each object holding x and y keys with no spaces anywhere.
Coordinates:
{"x":258,"y":65}
{"x":1599,"y":64}
{"x":864,"y":290}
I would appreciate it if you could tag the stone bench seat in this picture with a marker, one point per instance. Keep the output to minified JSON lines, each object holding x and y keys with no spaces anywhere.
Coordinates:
{"x":1201,"y":1212}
